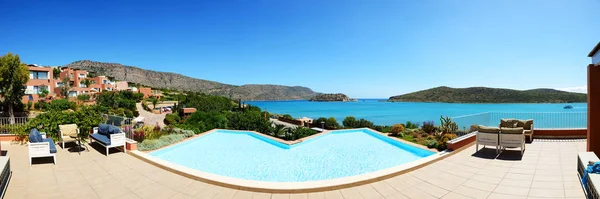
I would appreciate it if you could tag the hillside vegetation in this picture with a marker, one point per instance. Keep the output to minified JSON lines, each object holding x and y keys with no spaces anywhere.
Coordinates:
{"x":174,"y":81}
{"x":490,"y":95}
{"x":333,"y":97}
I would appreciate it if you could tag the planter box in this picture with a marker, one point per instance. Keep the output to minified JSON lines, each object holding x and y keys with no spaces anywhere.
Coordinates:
{"x":131,"y":145}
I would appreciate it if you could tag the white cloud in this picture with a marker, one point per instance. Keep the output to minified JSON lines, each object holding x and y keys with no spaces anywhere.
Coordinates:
{"x":577,"y":89}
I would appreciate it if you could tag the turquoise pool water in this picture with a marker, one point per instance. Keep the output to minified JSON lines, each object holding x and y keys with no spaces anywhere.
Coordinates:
{"x":388,"y":113}
{"x":252,"y":157}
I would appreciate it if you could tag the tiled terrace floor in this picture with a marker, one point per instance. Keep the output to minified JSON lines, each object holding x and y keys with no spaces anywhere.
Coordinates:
{"x":548,"y":169}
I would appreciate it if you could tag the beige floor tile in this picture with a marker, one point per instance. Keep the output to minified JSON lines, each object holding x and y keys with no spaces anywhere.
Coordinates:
{"x":383,"y":188}
{"x":516,"y":183}
{"x":574,"y":193}
{"x":318,"y":195}
{"x":350,"y":193}
{"x":396,"y":195}
{"x":548,"y":178}
{"x":432,"y":190}
{"x":517,"y":191}
{"x":240,"y":194}
{"x":480,"y":185}
{"x":335,"y":194}
{"x":299,"y":196}
{"x":471,"y":192}
{"x":547,"y":185}
{"x":504,"y":196}
{"x":547,"y":193}
{"x":368,"y":192}
{"x":453,"y":195}
{"x":417,"y":194}
{"x":181,"y":196}
{"x":280,"y":196}
{"x":268,"y":196}
{"x":486,"y":179}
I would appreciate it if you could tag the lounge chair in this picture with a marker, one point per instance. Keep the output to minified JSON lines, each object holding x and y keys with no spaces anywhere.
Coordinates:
{"x":487,"y":136}
{"x":512,"y":138}
{"x":68,"y":133}
{"x":109,"y":136}
{"x":40,"y":146}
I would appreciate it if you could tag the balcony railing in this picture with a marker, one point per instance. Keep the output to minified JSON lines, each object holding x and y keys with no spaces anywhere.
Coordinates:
{"x":541,"y":120}
{"x":8,"y":127}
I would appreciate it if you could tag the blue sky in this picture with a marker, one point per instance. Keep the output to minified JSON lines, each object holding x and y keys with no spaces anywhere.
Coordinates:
{"x":362,"y":48}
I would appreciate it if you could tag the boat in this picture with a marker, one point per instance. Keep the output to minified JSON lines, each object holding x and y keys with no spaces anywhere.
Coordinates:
{"x":568,"y":107}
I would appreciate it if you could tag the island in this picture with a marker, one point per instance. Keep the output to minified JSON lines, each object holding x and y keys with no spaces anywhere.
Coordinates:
{"x":490,"y":95}
{"x":331,"y":97}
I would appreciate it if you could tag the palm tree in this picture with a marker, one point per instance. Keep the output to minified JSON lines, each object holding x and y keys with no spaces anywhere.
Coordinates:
{"x":154,"y":101}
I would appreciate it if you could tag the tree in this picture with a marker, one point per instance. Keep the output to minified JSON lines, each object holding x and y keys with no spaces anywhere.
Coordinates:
{"x":350,"y":122}
{"x":154,"y":101}
{"x":88,"y":82}
{"x":13,"y":75}
{"x":331,"y":123}
{"x":65,"y":87}
{"x":56,"y":73}
{"x":43,"y":92}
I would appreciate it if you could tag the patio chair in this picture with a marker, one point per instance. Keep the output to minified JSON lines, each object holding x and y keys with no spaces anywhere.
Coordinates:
{"x":40,"y":146}
{"x":487,"y":136}
{"x":527,"y":129}
{"x":109,"y":136}
{"x":512,"y":138}
{"x":68,"y":133}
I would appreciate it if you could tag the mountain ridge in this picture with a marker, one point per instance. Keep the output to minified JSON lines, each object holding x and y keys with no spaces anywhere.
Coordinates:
{"x":490,"y":95}
{"x":176,"y":81}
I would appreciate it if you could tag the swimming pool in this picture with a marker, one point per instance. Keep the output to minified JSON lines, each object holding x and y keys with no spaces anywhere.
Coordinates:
{"x":249,"y":156}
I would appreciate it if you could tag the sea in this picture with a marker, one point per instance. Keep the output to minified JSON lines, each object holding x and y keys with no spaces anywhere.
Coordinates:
{"x":381,"y":112}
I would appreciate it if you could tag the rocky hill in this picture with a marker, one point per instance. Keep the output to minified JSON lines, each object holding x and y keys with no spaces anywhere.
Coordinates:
{"x":490,"y":95}
{"x":337,"y":97}
{"x":176,"y":81}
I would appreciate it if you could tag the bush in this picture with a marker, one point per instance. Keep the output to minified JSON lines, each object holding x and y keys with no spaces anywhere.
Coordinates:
{"x":396,"y":129}
{"x":128,"y":113}
{"x":319,"y":122}
{"x":442,"y":141}
{"x":37,"y":106}
{"x":83,"y":97}
{"x":171,"y":119}
{"x":48,"y":122}
{"x":60,"y":105}
{"x":288,"y":116}
{"x":411,"y":125}
{"x":428,"y":127}
{"x":363,"y":123}
{"x":383,"y":129}
{"x":29,"y":105}
{"x":447,"y":125}
{"x":432,"y":144}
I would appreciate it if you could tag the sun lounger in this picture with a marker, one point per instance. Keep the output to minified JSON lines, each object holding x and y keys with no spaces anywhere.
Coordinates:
{"x":583,"y":160}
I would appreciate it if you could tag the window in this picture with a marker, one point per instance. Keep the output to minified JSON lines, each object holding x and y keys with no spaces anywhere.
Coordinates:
{"x":104,"y":81}
{"x":38,"y":75}
{"x":81,"y":75}
{"x":36,"y":90}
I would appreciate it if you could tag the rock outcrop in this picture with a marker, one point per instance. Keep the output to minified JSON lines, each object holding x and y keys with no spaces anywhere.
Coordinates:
{"x":337,"y":97}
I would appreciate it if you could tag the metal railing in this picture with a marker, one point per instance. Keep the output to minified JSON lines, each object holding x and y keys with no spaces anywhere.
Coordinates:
{"x":124,"y":123}
{"x":8,"y":127}
{"x":541,"y":120}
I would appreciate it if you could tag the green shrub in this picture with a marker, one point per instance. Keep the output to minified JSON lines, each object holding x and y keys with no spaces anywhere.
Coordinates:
{"x":29,"y":105}
{"x":445,"y":138}
{"x":350,"y":122}
{"x":473,"y":128}
{"x":432,"y":144}
{"x":288,"y":116}
{"x":60,"y":105}
{"x":37,"y":106}
{"x":128,"y":113}
{"x":83,"y":97}
{"x":86,"y":118}
{"x":172,"y":119}
{"x":319,"y":122}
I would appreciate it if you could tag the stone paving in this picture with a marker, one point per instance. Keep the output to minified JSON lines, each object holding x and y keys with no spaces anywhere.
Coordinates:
{"x":547,"y":170}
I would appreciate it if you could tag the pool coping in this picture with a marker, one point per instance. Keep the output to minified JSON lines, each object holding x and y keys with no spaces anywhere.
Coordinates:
{"x":290,"y":187}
